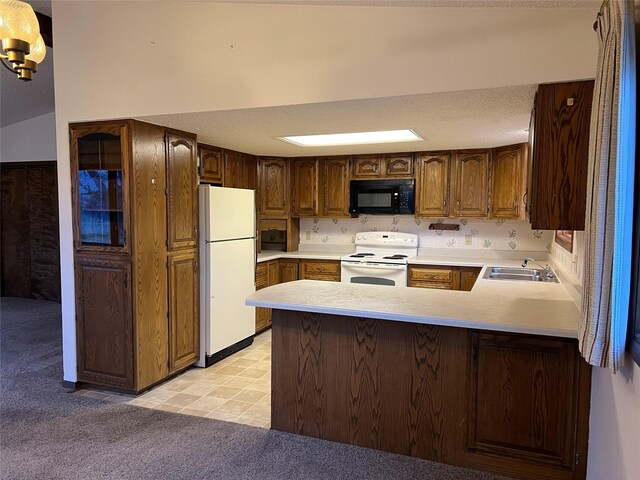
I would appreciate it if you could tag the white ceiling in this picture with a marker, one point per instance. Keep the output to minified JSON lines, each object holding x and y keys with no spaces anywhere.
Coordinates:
{"x":23,"y":100}
{"x":450,"y":120}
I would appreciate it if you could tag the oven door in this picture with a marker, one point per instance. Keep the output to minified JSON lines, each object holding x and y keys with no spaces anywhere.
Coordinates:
{"x":374,"y":274}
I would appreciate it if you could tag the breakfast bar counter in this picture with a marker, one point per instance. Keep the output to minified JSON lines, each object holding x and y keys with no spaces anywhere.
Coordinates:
{"x":489,"y":379}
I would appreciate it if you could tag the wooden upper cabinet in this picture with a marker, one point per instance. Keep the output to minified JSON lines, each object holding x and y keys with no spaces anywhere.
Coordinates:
{"x":182,"y":195}
{"x":233,"y":169}
{"x":507,"y":182}
{"x":250,"y":169}
{"x":398,"y":165}
{"x":184,"y":298}
{"x":304,"y":193}
{"x":211,"y":164}
{"x":334,"y":187}
{"x":470,"y":184}
{"x":560,"y":155}
{"x":274,"y":187}
{"x":382,"y":166}
{"x":367,"y":166}
{"x":432,"y":185}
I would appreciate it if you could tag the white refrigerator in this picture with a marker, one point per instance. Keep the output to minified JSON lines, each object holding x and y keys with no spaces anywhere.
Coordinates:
{"x":227,"y":271}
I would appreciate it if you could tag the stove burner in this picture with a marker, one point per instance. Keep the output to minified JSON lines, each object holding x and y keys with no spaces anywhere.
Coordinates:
{"x":396,"y":256}
{"x":361,"y":255}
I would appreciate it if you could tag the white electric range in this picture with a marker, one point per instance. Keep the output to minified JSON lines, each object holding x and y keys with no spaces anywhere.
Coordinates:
{"x":380,"y":259}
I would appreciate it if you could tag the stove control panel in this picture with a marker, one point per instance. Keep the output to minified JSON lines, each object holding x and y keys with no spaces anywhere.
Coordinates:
{"x":387,"y":239}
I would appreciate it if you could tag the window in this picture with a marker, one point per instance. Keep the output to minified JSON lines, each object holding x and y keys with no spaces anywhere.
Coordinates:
{"x":564,"y":238}
{"x":633,"y":344}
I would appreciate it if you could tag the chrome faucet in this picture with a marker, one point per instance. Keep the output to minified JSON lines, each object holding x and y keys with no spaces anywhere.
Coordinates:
{"x":547,"y":269}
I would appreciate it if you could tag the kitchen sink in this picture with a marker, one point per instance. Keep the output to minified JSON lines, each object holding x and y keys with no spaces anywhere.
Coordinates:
{"x":521,"y":274}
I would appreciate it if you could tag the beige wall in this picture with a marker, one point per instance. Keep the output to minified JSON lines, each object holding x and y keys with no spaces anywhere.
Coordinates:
{"x":29,"y":141}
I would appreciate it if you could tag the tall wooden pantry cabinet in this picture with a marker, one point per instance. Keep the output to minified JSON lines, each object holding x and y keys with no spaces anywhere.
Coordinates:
{"x":135,"y":212}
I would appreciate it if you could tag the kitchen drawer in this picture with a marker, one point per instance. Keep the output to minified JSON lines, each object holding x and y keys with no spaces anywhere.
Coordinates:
{"x":432,"y":274}
{"x":320,"y":270}
{"x":426,"y":284}
{"x":261,"y":276}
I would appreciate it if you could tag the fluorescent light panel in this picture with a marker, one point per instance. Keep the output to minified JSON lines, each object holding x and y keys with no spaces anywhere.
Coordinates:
{"x":357,"y":138}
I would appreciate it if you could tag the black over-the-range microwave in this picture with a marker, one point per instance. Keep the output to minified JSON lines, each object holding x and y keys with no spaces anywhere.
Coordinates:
{"x":382,"y":197}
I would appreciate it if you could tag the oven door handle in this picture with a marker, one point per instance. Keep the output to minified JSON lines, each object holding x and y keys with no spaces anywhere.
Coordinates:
{"x":364,"y":268}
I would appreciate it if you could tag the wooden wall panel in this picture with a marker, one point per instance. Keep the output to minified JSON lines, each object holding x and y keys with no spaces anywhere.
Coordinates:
{"x":16,"y":258}
{"x":30,"y":253}
{"x":44,"y":240}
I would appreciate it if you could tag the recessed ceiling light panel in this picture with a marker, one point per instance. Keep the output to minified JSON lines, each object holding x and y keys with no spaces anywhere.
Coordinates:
{"x":357,"y":138}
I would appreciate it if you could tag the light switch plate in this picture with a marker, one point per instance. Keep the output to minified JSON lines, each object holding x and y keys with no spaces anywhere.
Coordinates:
{"x":308,"y":234}
{"x":468,"y":239}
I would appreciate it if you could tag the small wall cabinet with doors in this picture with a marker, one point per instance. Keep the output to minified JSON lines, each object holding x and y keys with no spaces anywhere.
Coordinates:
{"x":382,"y":166}
{"x":211,"y":164}
{"x":508,"y":182}
{"x":470,"y":184}
{"x":561,"y":122}
{"x":442,"y":277}
{"x":274,"y":187}
{"x":320,"y":187}
{"x":432,"y":185}
{"x":135,"y":212}
{"x":240,"y":170}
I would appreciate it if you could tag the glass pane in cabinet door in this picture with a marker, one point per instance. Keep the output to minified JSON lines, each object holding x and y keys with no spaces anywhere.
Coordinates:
{"x":100,"y":187}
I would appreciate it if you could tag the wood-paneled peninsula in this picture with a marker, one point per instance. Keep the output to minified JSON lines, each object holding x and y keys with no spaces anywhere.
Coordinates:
{"x":489,"y":379}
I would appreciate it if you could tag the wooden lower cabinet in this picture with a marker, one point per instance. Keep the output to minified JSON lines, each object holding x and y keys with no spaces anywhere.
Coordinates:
{"x":283,"y":270}
{"x":511,"y":404}
{"x":523,"y":398}
{"x":442,"y":277}
{"x":104,"y":327}
{"x":184,"y":301}
{"x":468,"y":277}
{"x":328,"y":270}
{"x":434,"y":276}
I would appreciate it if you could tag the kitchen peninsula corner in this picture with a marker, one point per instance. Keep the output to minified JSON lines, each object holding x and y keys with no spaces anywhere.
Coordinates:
{"x":456,"y":379}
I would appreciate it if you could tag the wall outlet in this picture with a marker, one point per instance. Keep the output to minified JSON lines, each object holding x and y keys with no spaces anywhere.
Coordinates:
{"x":308,"y":234}
{"x":468,"y":239}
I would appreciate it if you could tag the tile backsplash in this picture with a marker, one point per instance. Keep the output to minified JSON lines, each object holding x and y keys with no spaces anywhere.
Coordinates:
{"x":510,"y":235}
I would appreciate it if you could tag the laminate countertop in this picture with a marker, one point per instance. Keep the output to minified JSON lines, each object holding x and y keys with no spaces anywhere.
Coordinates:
{"x":538,"y":308}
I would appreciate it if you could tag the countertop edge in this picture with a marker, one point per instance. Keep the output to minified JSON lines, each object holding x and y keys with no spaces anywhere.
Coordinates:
{"x":445,"y":322}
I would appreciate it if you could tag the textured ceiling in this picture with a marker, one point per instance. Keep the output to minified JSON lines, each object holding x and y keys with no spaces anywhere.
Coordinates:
{"x":23,"y":100}
{"x":467,"y":119}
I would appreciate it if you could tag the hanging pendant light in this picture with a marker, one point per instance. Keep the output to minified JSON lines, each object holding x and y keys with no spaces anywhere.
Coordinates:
{"x":22,"y":45}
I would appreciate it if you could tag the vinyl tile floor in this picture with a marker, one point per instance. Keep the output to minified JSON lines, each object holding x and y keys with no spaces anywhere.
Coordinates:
{"x":236,"y":389}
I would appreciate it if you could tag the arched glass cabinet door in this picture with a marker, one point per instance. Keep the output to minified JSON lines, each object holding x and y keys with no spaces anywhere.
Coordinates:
{"x":99,"y":169}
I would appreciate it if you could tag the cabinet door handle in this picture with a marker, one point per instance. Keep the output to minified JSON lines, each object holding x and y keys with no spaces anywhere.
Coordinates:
{"x":524,"y":198}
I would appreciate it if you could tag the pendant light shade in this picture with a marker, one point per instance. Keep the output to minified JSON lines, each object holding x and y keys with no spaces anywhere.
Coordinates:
{"x":23,"y":46}
{"x":38,"y":51}
{"x":18,"y":21}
